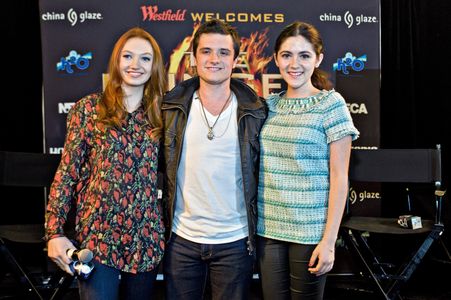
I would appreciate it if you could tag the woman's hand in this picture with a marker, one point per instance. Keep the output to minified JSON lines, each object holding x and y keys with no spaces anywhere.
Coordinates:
{"x":323,"y":256}
{"x":57,"y":251}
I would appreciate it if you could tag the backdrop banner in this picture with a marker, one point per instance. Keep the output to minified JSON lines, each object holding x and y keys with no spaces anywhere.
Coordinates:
{"x":78,"y":36}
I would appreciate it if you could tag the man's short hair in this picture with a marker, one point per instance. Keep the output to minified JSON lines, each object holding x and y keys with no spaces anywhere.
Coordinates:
{"x":221,"y":27}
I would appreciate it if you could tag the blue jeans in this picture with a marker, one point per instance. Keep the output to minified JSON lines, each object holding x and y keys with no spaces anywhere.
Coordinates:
{"x":284,"y":271}
{"x":192,"y":269}
{"x":106,"y":283}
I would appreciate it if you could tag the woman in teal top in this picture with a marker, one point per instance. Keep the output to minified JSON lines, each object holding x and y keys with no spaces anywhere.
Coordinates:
{"x":305,"y":149}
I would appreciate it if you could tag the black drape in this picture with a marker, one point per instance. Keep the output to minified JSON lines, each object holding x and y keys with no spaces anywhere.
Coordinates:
{"x":21,"y":63}
{"x":415,"y":106}
{"x":415,"y":102}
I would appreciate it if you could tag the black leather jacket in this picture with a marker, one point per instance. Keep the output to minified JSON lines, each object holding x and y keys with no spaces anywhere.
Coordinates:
{"x":252,"y":112}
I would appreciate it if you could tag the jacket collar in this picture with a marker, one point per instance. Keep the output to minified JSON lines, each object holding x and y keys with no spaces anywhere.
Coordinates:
{"x":181,"y":94}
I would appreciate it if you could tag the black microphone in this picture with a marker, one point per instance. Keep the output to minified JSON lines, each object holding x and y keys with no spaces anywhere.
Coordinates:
{"x":83,"y":255}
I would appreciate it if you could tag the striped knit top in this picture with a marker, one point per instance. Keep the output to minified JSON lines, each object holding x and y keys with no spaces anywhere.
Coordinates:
{"x":293,"y":185}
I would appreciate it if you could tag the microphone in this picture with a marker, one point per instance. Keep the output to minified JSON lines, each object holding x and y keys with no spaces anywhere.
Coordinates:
{"x":83,"y":255}
{"x":81,"y":264}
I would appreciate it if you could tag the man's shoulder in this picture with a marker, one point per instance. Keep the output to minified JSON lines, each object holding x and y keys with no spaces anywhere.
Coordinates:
{"x":246,"y":96}
{"x":182,"y":89}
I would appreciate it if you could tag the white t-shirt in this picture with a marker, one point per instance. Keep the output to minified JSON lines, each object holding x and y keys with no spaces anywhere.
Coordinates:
{"x":210,"y":207}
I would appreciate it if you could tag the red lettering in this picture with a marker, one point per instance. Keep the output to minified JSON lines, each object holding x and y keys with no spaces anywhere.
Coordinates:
{"x":151,"y":13}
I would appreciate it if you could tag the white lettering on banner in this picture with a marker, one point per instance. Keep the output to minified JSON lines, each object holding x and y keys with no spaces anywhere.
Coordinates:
{"x":90,"y":16}
{"x":365,"y":19}
{"x":55,"y":150}
{"x":357,"y":108}
{"x":365,"y":147}
{"x":355,"y":196}
{"x":348,"y":18}
{"x":330,"y":17}
{"x":51,"y":16}
{"x":64,"y":107}
{"x":71,"y":16}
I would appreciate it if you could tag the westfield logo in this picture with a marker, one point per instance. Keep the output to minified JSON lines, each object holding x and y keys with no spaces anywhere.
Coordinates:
{"x":151,"y":13}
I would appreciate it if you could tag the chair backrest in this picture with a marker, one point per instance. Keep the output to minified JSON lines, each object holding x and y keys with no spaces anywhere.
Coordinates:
{"x":27,"y":169}
{"x":396,"y":165}
{"x":27,"y":178}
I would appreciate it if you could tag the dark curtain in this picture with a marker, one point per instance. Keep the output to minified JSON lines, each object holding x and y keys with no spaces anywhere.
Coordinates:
{"x":21,"y":107}
{"x":415,"y":102}
{"x":415,"y":106}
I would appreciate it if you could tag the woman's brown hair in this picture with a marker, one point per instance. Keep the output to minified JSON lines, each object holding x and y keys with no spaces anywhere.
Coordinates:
{"x":112,"y":110}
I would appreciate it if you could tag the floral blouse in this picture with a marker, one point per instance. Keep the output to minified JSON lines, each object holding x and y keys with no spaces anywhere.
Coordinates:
{"x":110,"y":175}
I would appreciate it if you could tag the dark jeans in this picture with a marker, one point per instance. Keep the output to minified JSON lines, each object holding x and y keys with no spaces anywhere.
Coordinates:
{"x":284,"y":271}
{"x":106,"y":283}
{"x":190,"y":269}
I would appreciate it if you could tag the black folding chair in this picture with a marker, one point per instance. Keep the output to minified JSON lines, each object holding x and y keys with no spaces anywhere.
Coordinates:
{"x":402,"y":166}
{"x":18,"y":169}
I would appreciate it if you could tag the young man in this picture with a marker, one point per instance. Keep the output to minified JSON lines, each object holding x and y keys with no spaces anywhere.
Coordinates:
{"x":211,"y":156}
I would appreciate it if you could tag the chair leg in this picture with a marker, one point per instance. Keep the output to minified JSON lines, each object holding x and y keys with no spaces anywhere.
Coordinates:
{"x":359,"y":245}
{"x":376,"y":271}
{"x":410,"y":267}
{"x":62,"y":286}
{"x":18,"y":271}
{"x":445,"y":249}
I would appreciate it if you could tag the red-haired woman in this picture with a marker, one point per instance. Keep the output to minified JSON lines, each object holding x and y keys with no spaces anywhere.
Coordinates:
{"x":109,"y":165}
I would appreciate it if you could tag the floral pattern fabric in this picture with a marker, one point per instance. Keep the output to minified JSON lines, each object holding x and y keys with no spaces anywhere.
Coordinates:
{"x":110,"y":175}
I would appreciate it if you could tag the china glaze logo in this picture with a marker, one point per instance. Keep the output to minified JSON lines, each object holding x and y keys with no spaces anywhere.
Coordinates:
{"x":72,"y":16}
{"x":355,"y":196}
{"x":348,"y":18}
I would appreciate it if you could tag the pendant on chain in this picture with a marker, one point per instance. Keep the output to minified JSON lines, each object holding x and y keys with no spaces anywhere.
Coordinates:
{"x":210,"y":134}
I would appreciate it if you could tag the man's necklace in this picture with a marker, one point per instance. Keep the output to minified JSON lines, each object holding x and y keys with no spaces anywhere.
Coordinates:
{"x":210,"y":134}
